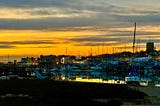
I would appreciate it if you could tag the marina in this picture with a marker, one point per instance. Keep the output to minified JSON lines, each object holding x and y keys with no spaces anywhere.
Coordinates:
{"x":143,"y":70}
{"x":79,"y":52}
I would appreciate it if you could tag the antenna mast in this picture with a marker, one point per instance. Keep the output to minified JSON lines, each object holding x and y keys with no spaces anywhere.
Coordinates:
{"x":134,"y":38}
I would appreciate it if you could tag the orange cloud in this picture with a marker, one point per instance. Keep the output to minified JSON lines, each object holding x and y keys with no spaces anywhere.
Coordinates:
{"x":77,"y":40}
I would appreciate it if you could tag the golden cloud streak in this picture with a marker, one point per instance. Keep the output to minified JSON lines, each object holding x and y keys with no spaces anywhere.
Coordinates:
{"x":43,"y":12}
{"x":35,"y":41}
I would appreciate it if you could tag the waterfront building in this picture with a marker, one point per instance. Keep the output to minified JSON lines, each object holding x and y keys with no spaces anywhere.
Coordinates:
{"x":149,"y":47}
{"x":29,"y":60}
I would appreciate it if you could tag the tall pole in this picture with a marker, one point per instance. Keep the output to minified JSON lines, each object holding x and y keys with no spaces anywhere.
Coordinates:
{"x":91,"y":52}
{"x":134,"y":38}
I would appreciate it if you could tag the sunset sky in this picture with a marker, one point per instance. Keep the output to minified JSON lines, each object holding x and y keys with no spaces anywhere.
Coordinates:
{"x":77,"y":27}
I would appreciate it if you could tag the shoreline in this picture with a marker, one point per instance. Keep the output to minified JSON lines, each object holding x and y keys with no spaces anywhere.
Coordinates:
{"x":45,"y":92}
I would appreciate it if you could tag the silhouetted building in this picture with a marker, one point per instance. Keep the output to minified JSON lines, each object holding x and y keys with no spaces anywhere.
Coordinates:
{"x":150,"y":47}
{"x":28,"y":60}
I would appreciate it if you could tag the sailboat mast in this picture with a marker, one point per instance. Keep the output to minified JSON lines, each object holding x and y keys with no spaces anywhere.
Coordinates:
{"x":134,"y":37}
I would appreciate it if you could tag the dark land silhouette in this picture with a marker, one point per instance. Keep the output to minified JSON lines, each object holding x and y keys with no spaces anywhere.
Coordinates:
{"x":49,"y":93}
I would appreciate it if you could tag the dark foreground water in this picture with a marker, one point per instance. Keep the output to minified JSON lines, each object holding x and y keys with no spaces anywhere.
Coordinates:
{"x":51,"y":93}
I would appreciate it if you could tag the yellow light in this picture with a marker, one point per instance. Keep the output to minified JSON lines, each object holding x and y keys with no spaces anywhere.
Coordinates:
{"x":97,"y":80}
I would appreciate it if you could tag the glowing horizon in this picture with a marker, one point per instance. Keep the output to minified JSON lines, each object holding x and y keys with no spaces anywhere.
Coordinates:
{"x":76,"y":27}
{"x":77,"y":41}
